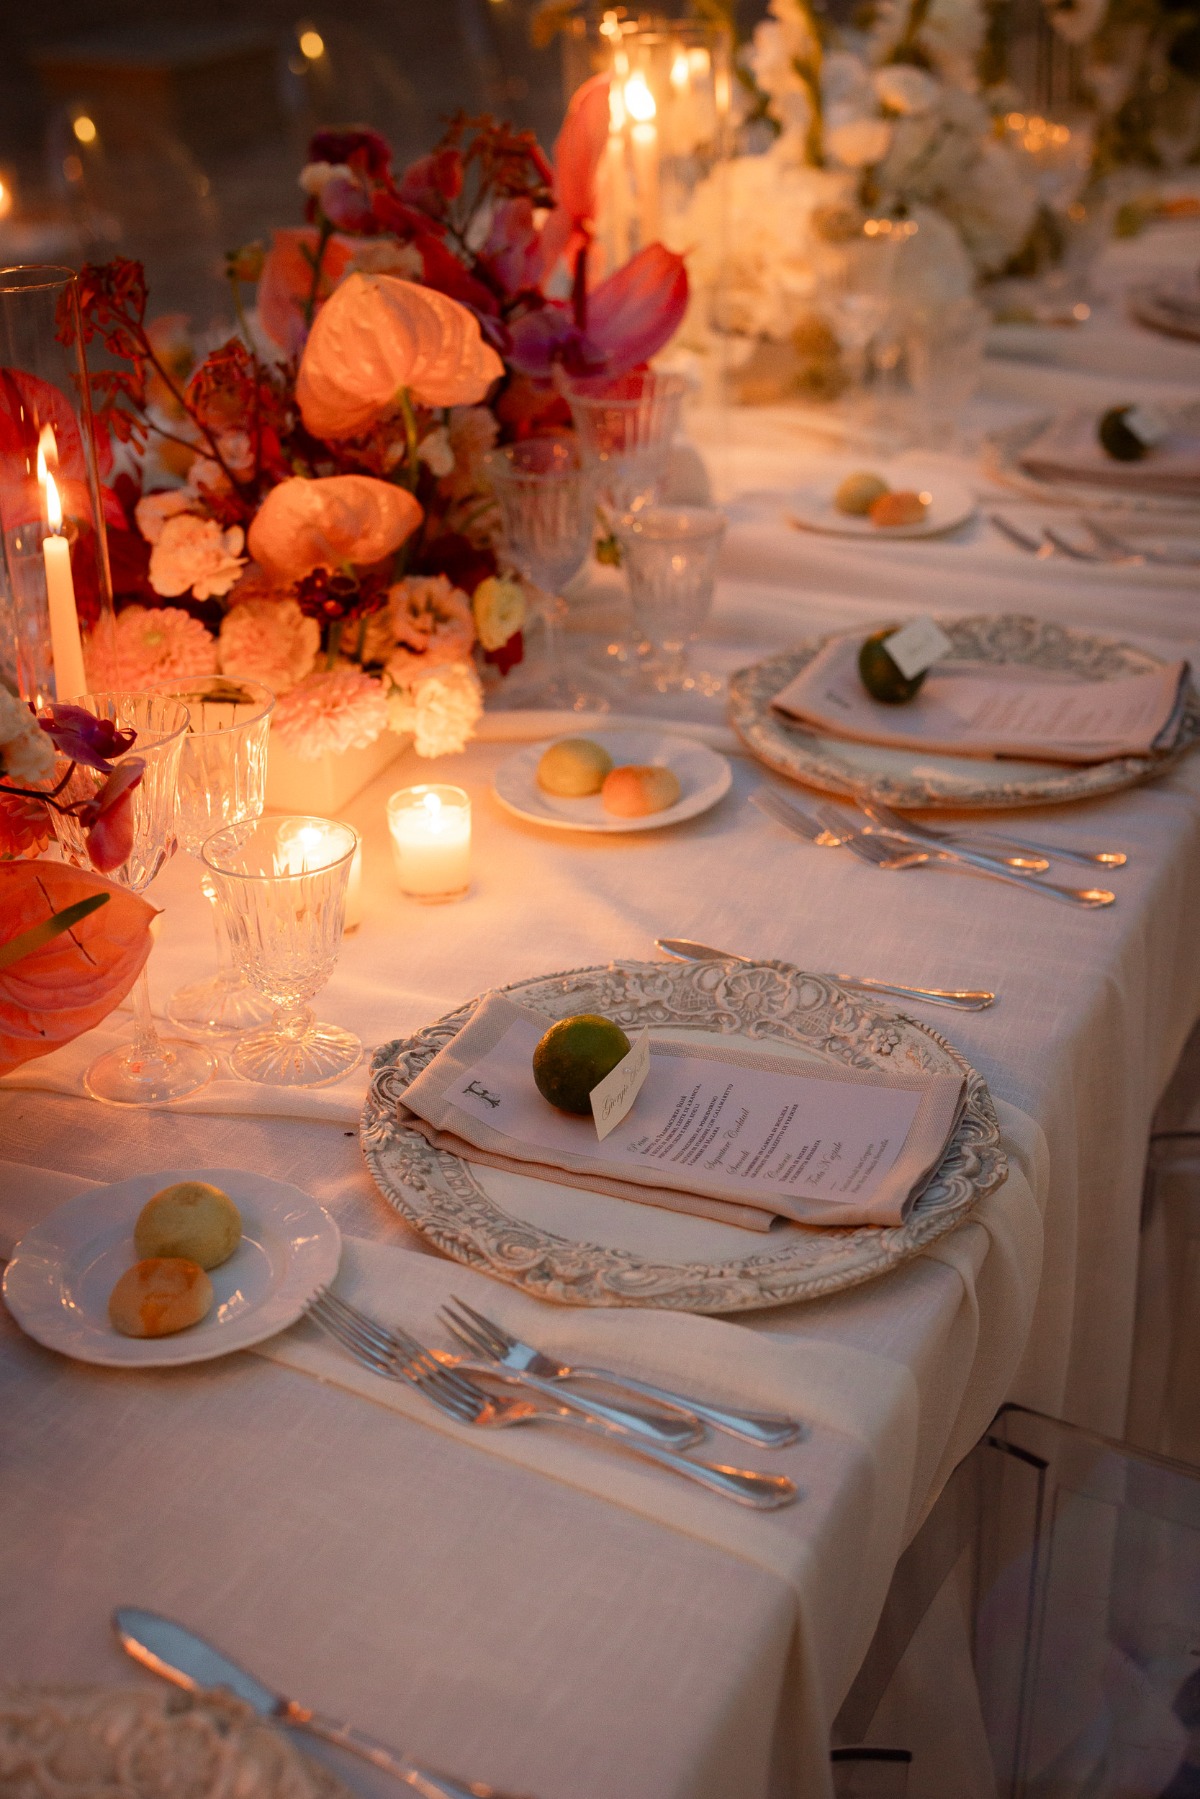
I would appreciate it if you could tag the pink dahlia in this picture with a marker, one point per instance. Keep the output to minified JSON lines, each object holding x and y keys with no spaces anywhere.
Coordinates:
{"x":158,"y":646}
{"x":269,"y":641}
{"x":343,"y":709}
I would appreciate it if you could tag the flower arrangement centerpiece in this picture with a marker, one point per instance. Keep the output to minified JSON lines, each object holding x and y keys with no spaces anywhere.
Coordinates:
{"x":895,"y":124}
{"x":304,"y":503}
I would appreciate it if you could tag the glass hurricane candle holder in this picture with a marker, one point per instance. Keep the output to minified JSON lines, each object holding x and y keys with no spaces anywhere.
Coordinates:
{"x":222,"y":780}
{"x":430,"y":828}
{"x":153,"y":1069}
{"x":55,"y":557}
{"x":281,"y":884}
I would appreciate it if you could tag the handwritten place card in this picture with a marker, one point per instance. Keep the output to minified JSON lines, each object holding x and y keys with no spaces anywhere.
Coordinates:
{"x":916,"y":646}
{"x":615,"y":1094}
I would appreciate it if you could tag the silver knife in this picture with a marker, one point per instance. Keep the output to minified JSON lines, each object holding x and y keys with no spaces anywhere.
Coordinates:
{"x":179,"y":1655}
{"x":960,"y":998}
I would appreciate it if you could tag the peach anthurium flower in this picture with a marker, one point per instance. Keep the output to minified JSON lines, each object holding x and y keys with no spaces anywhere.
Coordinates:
{"x":63,"y":986}
{"x":377,"y":335}
{"x":325,"y":523}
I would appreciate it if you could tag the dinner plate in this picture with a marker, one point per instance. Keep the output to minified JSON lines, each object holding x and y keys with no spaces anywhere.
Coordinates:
{"x":914,"y":778}
{"x":951,"y":503}
{"x":57,"y":1284}
{"x":704,"y":778}
{"x":1001,"y":457}
{"x":590,"y":1249}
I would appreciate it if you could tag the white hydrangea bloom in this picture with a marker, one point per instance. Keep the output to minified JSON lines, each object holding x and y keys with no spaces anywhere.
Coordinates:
{"x":26,"y":753}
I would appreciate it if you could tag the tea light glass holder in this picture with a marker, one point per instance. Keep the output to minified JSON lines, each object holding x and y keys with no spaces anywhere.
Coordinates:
{"x":430,"y":828}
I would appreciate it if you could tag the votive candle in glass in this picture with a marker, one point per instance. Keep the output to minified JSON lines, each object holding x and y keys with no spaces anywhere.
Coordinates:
{"x":305,"y":842}
{"x":431,"y":841}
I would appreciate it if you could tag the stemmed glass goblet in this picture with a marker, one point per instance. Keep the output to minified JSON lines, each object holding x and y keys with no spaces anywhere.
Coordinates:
{"x":546,"y":497}
{"x":222,"y":781}
{"x":670,"y":555}
{"x":152,"y":1069}
{"x":626,"y":427}
{"x":281,"y":883}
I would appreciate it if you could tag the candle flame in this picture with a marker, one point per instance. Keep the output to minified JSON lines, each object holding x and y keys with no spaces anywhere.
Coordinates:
{"x":680,"y":70}
{"x":53,"y":504}
{"x":433,"y":806}
{"x":639,"y":101}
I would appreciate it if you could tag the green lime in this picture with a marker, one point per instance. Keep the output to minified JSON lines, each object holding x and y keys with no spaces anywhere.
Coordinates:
{"x":1116,"y":437}
{"x":880,"y":675}
{"x":574,"y":1056}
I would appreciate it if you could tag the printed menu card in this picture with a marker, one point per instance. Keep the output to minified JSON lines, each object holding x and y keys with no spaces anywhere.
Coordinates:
{"x":991,"y":709}
{"x":722,"y":1131}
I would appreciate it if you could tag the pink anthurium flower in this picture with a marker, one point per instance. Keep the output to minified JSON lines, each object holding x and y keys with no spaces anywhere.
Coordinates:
{"x":632,"y":314}
{"x":285,"y":285}
{"x":326,"y":523}
{"x":377,"y":336}
{"x":577,"y":152}
{"x":67,"y":982}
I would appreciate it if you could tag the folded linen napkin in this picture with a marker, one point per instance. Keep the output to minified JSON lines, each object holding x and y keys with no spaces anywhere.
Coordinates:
{"x":986,"y":710}
{"x":1069,"y":450}
{"x":725,"y":1132}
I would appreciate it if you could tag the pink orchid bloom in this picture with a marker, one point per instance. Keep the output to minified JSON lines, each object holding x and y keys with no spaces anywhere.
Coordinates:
{"x":513,"y":250}
{"x":107,"y":818}
{"x":630,"y":316}
{"x":577,"y":152}
{"x":77,"y":733}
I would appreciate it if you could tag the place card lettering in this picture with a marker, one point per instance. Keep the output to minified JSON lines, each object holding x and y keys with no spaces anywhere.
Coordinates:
{"x":916,"y":646}
{"x":613,"y":1097}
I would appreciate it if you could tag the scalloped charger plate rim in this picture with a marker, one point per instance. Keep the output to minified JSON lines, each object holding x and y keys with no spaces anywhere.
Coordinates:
{"x":758,"y":1281}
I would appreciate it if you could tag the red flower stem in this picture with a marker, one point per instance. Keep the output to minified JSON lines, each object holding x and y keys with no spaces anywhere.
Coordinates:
{"x":579,"y":289}
{"x":310,"y":305}
{"x":164,"y":377}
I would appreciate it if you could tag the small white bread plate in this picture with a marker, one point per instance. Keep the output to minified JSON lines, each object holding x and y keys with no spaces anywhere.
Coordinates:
{"x":704,"y":777}
{"x":951,"y":503}
{"x":57,"y":1284}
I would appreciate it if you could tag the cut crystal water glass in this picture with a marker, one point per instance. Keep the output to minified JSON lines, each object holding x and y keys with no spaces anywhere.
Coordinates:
{"x":152,"y":1069}
{"x":546,"y":496}
{"x":281,"y":885}
{"x":222,"y":780}
{"x":670,"y":556}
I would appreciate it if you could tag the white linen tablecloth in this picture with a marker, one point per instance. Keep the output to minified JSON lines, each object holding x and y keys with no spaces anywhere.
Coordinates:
{"x":479,"y":1606}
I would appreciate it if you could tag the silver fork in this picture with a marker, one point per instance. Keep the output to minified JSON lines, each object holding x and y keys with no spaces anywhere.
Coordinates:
{"x":884,"y":815}
{"x":680,"y":1430}
{"x":935,"y":857}
{"x":1135,"y":553}
{"x":492,"y":1341}
{"x":838,"y":836}
{"x":465,"y":1402}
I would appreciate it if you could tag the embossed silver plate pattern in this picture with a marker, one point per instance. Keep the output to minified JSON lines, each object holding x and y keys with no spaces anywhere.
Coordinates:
{"x":769,"y":1003}
{"x":914,"y":778}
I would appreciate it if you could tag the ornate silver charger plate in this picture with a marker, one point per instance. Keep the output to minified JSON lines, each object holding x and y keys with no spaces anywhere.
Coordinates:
{"x":769,"y":1003}
{"x":1002,"y":450}
{"x":915,"y":779}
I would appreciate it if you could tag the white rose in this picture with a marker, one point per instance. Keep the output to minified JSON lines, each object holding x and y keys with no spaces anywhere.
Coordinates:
{"x":435,"y":451}
{"x":904,"y":89}
{"x":859,"y":142}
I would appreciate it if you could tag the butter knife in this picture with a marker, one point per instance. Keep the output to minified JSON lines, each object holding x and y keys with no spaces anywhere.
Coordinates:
{"x":179,"y":1655}
{"x":961,"y":999}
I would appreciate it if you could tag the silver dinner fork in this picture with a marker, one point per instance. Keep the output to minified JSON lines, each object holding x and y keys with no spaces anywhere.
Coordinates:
{"x":938,"y":856}
{"x":950,"y":836}
{"x":678,"y":1430}
{"x":1131,"y":552}
{"x":492,"y":1341}
{"x":395,"y":1355}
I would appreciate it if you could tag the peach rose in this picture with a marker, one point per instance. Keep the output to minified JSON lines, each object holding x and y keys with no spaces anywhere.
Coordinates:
{"x":376,"y":335}
{"x":326,"y":523}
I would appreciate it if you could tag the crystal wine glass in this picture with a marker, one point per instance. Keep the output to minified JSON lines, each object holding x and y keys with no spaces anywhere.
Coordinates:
{"x":281,"y":884}
{"x":547,"y":502}
{"x":670,"y":555}
{"x":625,"y":428}
{"x":222,"y":779}
{"x":153,"y":1069}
